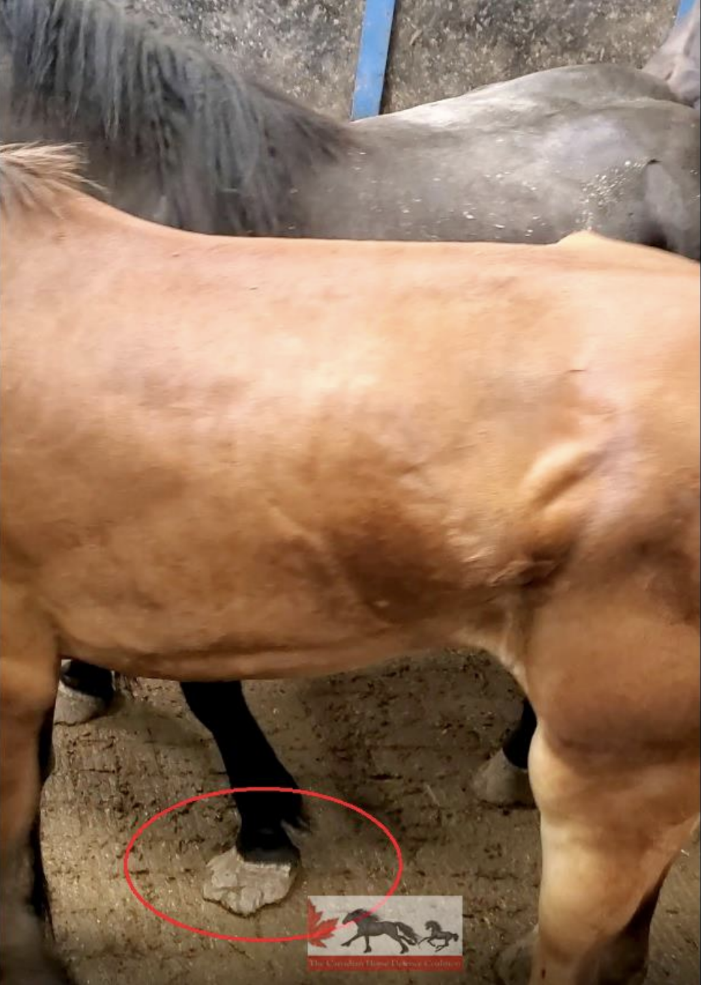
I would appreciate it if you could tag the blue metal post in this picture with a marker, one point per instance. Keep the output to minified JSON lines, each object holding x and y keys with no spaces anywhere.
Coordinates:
{"x":372,"y":58}
{"x":683,"y":9}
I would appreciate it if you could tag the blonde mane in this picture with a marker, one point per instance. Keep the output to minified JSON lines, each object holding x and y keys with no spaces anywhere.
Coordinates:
{"x":38,"y":176}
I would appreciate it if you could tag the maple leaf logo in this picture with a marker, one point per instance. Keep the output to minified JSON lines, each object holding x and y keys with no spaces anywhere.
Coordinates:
{"x":319,"y":929}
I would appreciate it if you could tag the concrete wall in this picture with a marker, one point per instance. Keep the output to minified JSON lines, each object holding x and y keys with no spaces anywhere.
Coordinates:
{"x":439,"y":47}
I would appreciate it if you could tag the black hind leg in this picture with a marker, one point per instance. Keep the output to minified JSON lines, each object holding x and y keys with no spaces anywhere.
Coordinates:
{"x":518,"y":743}
{"x":503,"y":779}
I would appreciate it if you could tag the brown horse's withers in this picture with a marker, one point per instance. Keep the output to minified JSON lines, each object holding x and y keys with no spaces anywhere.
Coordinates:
{"x":258,"y":458}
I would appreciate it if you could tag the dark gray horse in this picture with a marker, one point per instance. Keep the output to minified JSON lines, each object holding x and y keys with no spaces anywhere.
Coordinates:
{"x":174,"y":134}
{"x":436,"y":933}
{"x":369,"y":925}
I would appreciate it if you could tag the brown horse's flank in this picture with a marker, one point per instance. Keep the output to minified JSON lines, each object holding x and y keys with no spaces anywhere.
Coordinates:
{"x":240,"y":458}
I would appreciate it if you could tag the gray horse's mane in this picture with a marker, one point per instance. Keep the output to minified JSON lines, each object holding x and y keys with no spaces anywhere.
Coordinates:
{"x":216,"y":139}
{"x":38,"y":177}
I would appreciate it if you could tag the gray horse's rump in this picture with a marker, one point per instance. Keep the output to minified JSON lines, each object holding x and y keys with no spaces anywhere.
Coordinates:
{"x":176,"y":135}
{"x":504,"y":166}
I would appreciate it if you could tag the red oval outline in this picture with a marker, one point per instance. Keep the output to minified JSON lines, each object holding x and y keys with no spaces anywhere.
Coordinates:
{"x":231,"y":790}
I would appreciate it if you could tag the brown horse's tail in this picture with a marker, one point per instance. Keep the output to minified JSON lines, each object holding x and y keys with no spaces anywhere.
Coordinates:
{"x":677,"y":61}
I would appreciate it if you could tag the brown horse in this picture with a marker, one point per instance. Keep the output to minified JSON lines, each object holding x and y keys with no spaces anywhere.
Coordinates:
{"x":204,"y":479}
{"x":175,"y":134}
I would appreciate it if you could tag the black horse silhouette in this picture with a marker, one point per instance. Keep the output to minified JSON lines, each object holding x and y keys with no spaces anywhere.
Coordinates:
{"x":369,"y":925}
{"x":436,"y":933}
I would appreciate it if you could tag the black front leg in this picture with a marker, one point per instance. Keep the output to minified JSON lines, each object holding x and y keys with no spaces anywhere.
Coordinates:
{"x":250,"y":761}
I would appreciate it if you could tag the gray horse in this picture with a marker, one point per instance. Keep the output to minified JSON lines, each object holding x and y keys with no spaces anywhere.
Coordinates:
{"x":175,"y":134}
{"x":369,"y":925}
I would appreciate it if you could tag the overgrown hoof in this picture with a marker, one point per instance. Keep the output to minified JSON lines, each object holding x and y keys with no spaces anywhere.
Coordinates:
{"x":513,"y":966}
{"x":75,"y":708}
{"x":501,"y":783}
{"x":243,"y":887}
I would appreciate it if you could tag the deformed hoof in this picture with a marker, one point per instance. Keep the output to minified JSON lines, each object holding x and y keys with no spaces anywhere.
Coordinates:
{"x":513,"y":966}
{"x":75,"y":708}
{"x":243,"y":887}
{"x":501,"y":783}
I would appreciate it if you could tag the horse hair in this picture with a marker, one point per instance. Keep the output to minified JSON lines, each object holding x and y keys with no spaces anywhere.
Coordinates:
{"x":231,"y":143}
{"x":34,"y":176}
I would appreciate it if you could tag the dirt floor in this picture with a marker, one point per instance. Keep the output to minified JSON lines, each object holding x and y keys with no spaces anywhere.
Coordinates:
{"x":402,"y":743}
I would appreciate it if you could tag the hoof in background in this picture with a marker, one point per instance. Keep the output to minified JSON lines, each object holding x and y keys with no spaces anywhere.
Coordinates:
{"x":75,"y":708}
{"x":501,"y":783}
{"x":513,"y":965}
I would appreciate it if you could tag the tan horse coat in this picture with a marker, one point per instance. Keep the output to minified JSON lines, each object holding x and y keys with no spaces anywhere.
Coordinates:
{"x":258,"y":458}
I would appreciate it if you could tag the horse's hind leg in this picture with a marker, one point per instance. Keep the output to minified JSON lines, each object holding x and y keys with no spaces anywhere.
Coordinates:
{"x":609,"y":837}
{"x":28,"y":678}
{"x":615,"y":771}
{"x":503,"y":779}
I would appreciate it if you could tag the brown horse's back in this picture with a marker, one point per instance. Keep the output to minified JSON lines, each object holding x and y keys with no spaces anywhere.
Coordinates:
{"x":297,"y":446}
